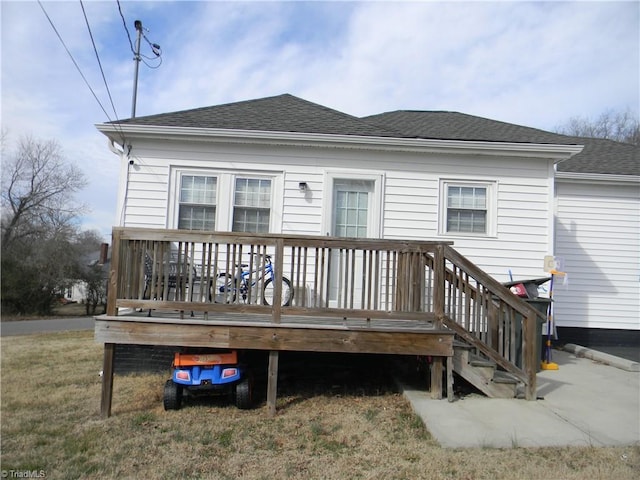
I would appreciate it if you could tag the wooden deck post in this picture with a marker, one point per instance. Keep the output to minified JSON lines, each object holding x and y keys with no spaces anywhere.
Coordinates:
{"x":450,"y":379}
{"x":276,"y":312}
{"x":112,"y":284}
{"x":107,"y":379}
{"x":529,"y":358}
{"x":272,"y":382}
{"x":439,"y":288}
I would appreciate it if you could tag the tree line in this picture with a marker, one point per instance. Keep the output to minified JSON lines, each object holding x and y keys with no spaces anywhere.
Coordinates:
{"x":619,"y":126}
{"x":44,"y":250}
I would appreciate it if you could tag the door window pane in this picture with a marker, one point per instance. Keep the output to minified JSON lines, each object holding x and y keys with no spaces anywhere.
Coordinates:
{"x":351,"y":207}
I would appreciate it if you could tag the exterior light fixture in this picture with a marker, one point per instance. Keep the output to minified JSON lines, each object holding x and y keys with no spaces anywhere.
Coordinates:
{"x":303,"y":187}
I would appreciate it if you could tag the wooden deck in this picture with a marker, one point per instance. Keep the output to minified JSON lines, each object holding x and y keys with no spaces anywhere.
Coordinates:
{"x":346,"y":295}
{"x":296,"y":333}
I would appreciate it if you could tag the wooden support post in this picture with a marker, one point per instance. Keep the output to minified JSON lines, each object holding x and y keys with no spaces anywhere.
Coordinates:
{"x":272,"y":382}
{"x":439,"y":289}
{"x":450,"y":379}
{"x":112,"y":284}
{"x":436,"y":378}
{"x":529,"y":358}
{"x":278,"y":271}
{"x":107,"y":379}
{"x":439,"y":281}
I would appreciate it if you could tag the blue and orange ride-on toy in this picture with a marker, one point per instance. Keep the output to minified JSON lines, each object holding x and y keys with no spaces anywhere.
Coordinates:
{"x":208,"y":372}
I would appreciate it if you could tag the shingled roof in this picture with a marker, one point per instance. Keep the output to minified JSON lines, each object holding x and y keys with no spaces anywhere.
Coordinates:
{"x":287,"y":113}
{"x":603,"y":156}
{"x":282,"y":113}
{"x":600,"y":156}
{"x":460,"y":126}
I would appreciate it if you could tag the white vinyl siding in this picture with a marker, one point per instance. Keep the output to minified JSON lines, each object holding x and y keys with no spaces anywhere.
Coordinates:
{"x":598,"y":235}
{"x":407,"y":198}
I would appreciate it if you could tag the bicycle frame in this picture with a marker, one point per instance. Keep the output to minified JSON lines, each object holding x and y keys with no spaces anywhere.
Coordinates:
{"x":247,"y":278}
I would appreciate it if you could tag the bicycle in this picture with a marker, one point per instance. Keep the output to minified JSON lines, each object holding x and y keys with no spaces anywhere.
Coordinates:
{"x":227,"y":288}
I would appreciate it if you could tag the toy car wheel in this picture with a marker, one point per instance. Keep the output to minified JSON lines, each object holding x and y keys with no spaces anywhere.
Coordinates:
{"x":172,"y":398}
{"x":244,"y":393}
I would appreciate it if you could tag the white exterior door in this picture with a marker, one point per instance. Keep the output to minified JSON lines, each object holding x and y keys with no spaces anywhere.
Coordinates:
{"x":354,"y":214}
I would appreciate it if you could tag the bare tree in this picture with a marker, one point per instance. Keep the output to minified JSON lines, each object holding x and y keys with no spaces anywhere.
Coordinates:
{"x":37,"y":189}
{"x":618,"y":126}
{"x":38,"y":231}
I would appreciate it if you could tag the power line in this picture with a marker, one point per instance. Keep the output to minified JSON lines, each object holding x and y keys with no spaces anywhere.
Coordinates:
{"x":104,"y":78}
{"x":78,"y":67}
{"x":125,"y":27}
{"x":155,"y":48}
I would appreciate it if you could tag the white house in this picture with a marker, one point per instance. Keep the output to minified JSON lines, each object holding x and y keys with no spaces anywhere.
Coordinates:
{"x":598,"y":235}
{"x":506,"y":195}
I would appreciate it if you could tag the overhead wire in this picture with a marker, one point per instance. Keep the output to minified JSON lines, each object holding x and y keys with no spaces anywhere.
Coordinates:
{"x":104,"y":78}
{"x":79,"y":70}
{"x":124,"y":22}
{"x":155,"y":48}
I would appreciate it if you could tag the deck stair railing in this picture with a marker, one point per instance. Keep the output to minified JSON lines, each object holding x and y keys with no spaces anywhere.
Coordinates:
{"x":487,"y":316}
{"x":353,"y":280}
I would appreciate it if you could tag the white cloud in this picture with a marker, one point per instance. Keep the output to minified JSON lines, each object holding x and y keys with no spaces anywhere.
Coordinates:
{"x":535,"y":64}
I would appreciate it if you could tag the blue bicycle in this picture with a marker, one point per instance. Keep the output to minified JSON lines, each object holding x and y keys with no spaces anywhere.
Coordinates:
{"x":228,"y":288}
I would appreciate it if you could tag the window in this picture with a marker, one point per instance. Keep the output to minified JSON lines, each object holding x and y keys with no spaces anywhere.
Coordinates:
{"x":351,"y":207}
{"x":224,"y":200}
{"x":197,"y":206}
{"x":252,"y":205}
{"x":467,"y":208}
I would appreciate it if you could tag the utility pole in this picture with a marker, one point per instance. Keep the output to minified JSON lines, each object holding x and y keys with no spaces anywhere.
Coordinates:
{"x":136,"y":58}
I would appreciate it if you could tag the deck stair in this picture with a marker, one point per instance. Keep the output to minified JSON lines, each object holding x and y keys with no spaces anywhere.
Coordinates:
{"x":482,"y":373}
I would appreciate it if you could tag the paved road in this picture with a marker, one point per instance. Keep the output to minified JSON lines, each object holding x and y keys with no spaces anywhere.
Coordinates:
{"x":26,"y":327}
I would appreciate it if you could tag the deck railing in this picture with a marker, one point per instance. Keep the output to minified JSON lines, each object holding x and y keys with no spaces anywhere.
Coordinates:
{"x":486,"y":315}
{"x":186,"y":271}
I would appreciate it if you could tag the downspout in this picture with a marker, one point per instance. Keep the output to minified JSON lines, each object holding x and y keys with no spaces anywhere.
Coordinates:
{"x":124,"y":186}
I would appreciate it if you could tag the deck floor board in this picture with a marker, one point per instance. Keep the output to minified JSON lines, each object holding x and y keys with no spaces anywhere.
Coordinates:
{"x":287,"y":321}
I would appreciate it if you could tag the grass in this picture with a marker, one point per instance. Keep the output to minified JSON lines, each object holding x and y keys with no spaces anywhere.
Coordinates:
{"x":59,"y":311}
{"x":324,"y":429}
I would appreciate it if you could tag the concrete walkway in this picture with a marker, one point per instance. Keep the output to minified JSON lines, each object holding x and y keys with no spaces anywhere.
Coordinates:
{"x":585,"y":403}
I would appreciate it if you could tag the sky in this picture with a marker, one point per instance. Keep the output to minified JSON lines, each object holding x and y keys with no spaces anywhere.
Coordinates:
{"x":531,"y":63}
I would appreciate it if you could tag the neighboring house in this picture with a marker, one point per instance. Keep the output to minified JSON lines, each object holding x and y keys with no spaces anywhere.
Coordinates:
{"x":506,"y":195}
{"x":99,"y":261}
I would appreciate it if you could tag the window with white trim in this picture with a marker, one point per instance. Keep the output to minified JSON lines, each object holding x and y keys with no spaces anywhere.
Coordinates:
{"x":223,"y":200}
{"x":252,"y":205}
{"x":467,"y":208}
{"x":197,"y":202}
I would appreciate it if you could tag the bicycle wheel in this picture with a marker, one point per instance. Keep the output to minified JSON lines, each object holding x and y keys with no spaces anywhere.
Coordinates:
{"x":269,"y":291}
{"x":223,"y":290}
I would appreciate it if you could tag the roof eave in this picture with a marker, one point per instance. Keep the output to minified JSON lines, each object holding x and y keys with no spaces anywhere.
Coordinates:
{"x":549,"y":151}
{"x":576,"y":177}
